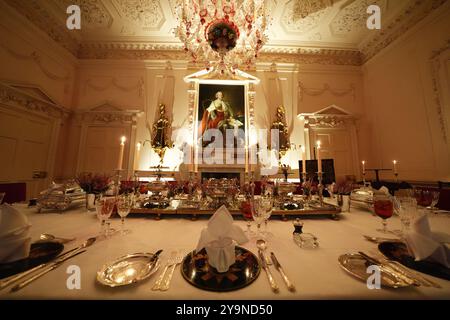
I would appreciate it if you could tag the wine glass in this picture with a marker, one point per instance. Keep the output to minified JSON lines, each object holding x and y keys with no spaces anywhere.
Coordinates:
{"x":267,"y":202}
{"x":124,"y":204}
{"x":406,"y":211}
{"x":434,"y":196}
{"x":104,"y":208}
{"x":384,"y":208}
{"x":247,"y":210}
{"x":259,"y":214}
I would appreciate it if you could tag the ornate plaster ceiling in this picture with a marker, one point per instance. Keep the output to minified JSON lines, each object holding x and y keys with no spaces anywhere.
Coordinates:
{"x":143,"y":29}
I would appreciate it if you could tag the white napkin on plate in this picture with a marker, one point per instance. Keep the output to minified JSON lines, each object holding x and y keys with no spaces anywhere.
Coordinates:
{"x":219,"y":238}
{"x":423,"y":244}
{"x":14,"y":234}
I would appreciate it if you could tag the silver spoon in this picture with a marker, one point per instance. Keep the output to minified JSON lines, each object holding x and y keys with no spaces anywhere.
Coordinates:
{"x":262,"y":245}
{"x":50,"y":237}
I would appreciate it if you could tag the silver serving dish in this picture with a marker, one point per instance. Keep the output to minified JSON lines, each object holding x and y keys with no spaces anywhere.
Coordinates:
{"x":356,"y":265}
{"x":128,"y":269}
{"x":363,"y":197}
{"x":61,"y":197}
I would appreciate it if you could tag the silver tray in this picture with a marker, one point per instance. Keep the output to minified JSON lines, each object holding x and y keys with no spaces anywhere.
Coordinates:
{"x":356,"y":265}
{"x":126,"y":270}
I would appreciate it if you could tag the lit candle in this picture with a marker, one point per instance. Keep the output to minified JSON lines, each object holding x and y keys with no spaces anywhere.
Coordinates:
{"x":303,"y":159}
{"x":122,"y":148}
{"x":246,"y":159}
{"x":364,"y":167}
{"x":395,"y":166}
{"x":319,"y":161}
{"x":137,"y":156}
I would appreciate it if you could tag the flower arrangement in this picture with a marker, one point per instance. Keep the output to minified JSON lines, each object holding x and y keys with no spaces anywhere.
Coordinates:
{"x":94,"y":183}
{"x":343,"y":187}
{"x":222,"y":35}
{"x":309,"y":187}
{"x":128,"y":186}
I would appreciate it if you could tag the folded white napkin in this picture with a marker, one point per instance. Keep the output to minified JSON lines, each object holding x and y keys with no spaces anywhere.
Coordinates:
{"x":218,"y":239}
{"x":14,"y":234}
{"x":423,"y":244}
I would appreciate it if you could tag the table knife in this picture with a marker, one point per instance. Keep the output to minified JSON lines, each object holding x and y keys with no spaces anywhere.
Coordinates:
{"x":272,"y":282}
{"x":46,"y":270}
{"x":390,"y":270}
{"x":286,"y":280}
{"x":17,"y":277}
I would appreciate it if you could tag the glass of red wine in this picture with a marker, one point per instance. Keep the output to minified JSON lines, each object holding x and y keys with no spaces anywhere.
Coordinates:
{"x":384,"y":208}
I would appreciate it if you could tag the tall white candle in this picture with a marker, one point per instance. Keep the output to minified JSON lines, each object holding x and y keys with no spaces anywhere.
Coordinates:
{"x":137,"y":156}
{"x":319,"y":160}
{"x":303,"y":159}
{"x":395,"y":166}
{"x":122,"y":148}
{"x":246,"y":159}
{"x":364,"y":166}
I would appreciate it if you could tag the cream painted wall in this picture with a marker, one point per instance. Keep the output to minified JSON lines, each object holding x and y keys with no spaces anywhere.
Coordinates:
{"x":391,"y":96}
{"x":400,"y":104}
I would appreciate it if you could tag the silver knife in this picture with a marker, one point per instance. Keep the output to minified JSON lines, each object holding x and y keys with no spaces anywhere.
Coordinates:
{"x":272,"y":282}
{"x":154,"y":258}
{"x":286,"y":280}
{"x":390,"y":270}
{"x":23,"y":284}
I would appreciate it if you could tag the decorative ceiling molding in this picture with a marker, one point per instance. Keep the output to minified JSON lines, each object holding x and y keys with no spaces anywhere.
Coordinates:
{"x":409,"y":17}
{"x":353,"y":17}
{"x":93,"y":13}
{"x":34,"y":11}
{"x":137,"y":29}
{"x":146,"y":13}
{"x":17,"y":98}
{"x":436,"y":65}
{"x":292,"y":20}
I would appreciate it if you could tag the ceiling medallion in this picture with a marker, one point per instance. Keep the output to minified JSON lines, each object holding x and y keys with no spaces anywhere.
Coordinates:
{"x":222,"y":32}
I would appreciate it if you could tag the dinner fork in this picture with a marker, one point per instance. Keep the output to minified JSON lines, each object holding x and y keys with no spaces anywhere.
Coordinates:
{"x":177,"y":260}
{"x":170,"y":261}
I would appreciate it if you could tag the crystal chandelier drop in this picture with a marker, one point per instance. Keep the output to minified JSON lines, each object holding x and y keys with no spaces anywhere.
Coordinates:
{"x":228,"y":32}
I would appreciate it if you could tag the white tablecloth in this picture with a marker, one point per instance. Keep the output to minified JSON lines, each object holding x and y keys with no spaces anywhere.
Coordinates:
{"x":316,"y":273}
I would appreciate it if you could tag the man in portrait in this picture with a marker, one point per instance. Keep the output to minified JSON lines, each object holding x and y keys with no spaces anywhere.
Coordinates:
{"x":219,"y":115}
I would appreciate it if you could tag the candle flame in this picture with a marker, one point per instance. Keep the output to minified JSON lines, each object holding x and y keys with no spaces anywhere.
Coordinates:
{"x":138,"y":146}
{"x":363,"y":162}
{"x":123,"y":139}
{"x":394,"y":162}
{"x":318,"y":144}
{"x":303,"y":148}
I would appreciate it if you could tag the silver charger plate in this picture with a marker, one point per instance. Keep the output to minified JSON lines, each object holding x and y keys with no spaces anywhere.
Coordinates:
{"x":356,"y":265}
{"x":126,"y":270}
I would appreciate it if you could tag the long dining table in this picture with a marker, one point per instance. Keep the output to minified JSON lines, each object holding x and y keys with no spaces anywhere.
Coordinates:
{"x":316,"y":273}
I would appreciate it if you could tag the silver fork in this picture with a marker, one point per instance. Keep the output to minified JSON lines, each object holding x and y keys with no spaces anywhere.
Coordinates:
{"x":170,"y":261}
{"x":177,"y":260}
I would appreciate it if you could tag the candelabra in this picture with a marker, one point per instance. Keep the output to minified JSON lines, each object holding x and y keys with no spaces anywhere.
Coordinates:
{"x":320,"y":188}
{"x":304,"y":177}
{"x":252,"y":185}
{"x":117,"y":182}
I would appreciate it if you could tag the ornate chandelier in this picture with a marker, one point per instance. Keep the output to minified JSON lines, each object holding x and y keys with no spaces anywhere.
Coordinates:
{"x":228,"y":32}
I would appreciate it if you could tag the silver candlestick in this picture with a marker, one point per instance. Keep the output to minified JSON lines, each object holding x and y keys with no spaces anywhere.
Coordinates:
{"x":320,"y":188}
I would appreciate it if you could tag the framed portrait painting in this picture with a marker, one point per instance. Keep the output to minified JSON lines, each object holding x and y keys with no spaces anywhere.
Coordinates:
{"x":222,"y":107}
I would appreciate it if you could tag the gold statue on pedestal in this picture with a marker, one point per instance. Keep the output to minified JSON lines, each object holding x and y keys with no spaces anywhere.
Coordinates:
{"x":161,"y":128}
{"x":280,"y":124}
